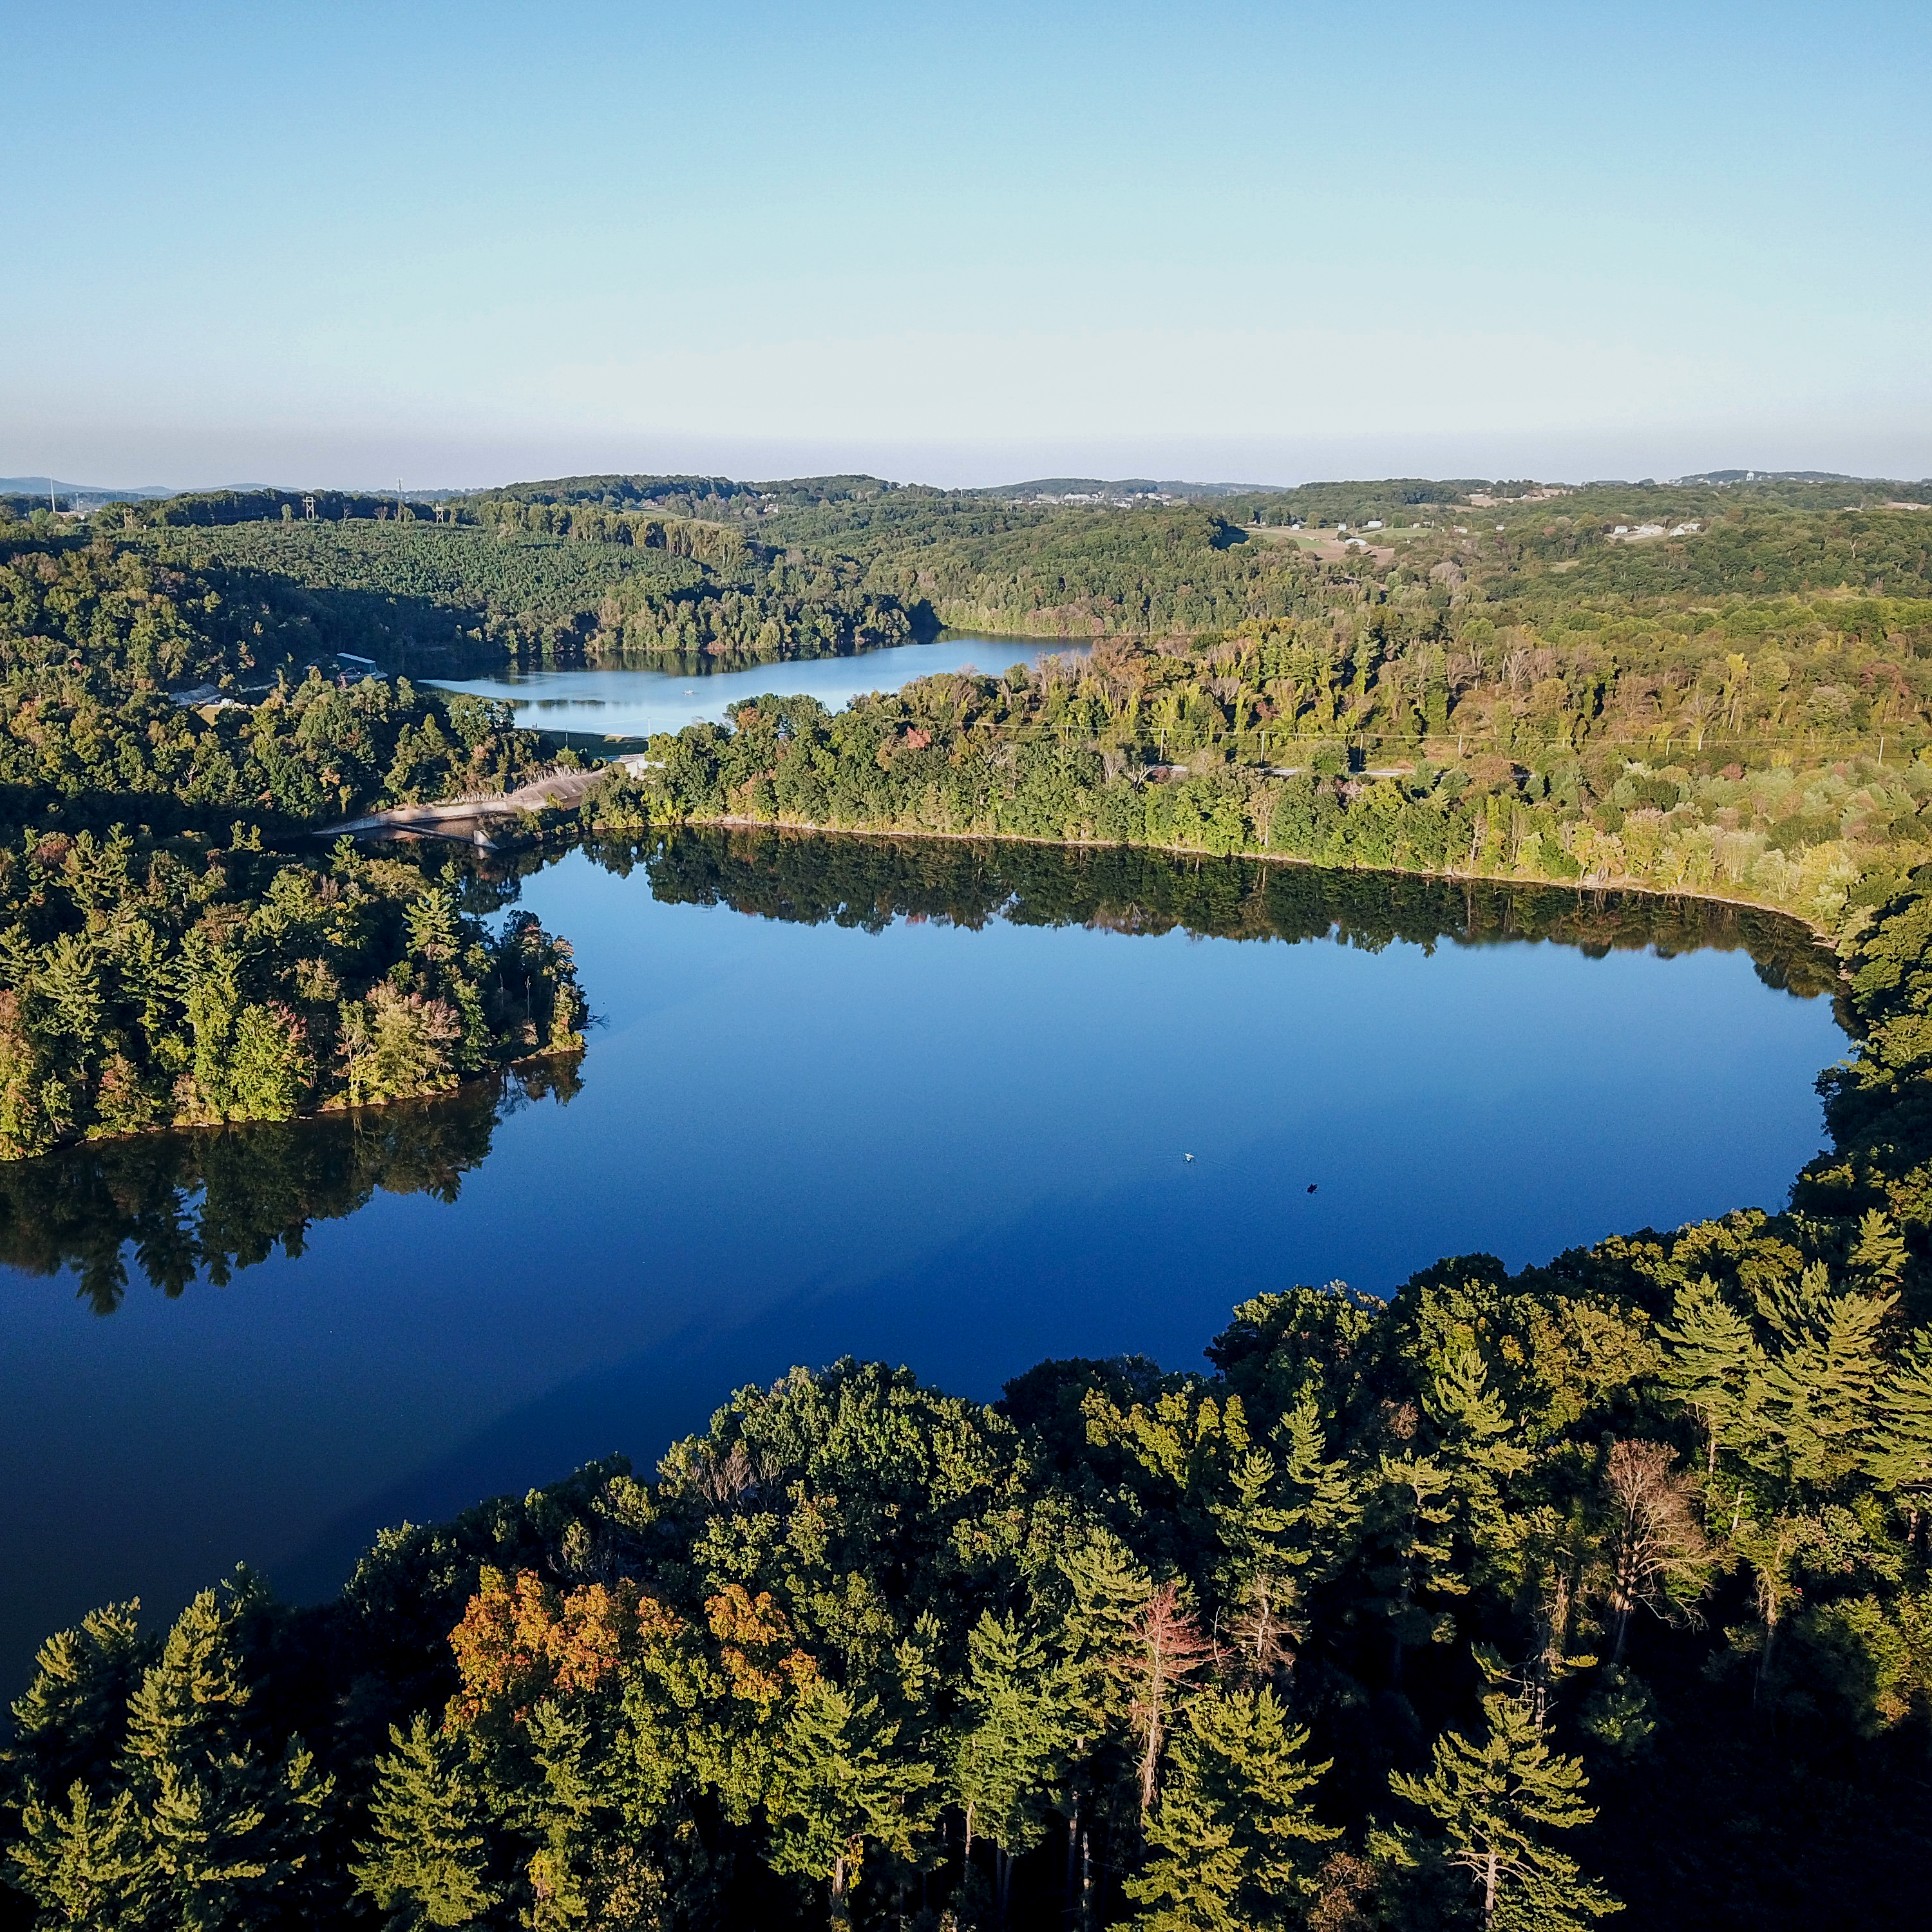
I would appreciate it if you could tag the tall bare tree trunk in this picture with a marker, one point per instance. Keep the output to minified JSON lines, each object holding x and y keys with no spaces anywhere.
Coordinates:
{"x":1069,"y":1895}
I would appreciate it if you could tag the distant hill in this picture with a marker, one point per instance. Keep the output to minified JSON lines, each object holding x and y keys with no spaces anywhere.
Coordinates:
{"x":1122,"y":486}
{"x":683,"y":495}
{"x":39,"y":486}
{"x":1716,"y":478}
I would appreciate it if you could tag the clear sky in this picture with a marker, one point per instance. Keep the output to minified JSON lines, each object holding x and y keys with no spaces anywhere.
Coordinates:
{"x":338,"y":243}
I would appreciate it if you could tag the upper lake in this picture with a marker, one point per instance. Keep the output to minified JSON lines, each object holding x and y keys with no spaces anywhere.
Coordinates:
{"x":632,"y":701}
{"x":931,"y":1102}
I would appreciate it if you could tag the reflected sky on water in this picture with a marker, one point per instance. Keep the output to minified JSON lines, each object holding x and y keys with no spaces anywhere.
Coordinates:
{"x":635,"y":700}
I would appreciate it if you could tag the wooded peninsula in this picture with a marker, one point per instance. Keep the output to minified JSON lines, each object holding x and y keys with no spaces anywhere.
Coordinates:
{"x":1518,"y":1600}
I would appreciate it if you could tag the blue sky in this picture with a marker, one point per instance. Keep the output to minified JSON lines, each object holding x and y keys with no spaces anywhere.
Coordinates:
{"x":341,"y":244}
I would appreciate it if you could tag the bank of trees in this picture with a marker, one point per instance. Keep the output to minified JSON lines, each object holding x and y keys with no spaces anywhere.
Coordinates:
{"x":148,"y":983}
{"x":533,"y":582}
{"x":1782,"y":765}
{"x":159,"y":967}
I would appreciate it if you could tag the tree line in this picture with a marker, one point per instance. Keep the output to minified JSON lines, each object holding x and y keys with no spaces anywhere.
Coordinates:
{"x":1253,"y":744}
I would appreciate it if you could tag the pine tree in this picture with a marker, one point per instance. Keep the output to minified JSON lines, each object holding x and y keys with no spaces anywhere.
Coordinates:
{"x":1412,"y":1551}
{"x":1492,"y":1801}
{"x":1816,"y":1390}
{"x":83,"y":1864}
{"x":1900,"y":1452}
{"x":1478,"y":1448}
{"x":1286,"y":1529}
{"x":1095,"y":1655}
{"x":1008,"y":1753}
{"x":227,"y":1833}
{"x":1233,"y":1838}
{"x":427,"y":1863}
{"x":70,"y":1721}
{"x":842,"y":1780}
{"x":1711,"y":1359}
{"x":1880,"y":1252}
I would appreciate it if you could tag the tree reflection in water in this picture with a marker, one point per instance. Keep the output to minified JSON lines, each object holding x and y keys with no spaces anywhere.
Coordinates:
{"x":203,"y":1204}
{"x":868,"y":882}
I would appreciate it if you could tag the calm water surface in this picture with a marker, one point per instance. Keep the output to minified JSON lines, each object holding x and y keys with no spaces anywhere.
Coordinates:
{"x":632,"y":702}
{"x":925,"y":1102}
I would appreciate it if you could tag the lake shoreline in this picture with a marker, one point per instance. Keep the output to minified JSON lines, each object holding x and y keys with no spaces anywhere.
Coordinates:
{"x":1821,"y":935}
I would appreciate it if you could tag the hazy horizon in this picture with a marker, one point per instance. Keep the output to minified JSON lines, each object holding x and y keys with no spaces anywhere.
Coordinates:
{"x":460,"y":245}
{"x":378,"y":485}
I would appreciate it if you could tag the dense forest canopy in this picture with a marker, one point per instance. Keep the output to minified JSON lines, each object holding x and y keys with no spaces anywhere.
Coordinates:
{"x":711,"y":570}
{"x":161,"y":962}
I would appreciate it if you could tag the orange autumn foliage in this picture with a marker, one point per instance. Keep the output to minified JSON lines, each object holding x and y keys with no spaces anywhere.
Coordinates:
{"x":520,"y":1640}
{"x":757,"y":1651}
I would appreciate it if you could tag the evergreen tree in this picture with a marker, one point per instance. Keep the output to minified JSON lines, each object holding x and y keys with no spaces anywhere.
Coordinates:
{"x":1899,"y":1453}
{"x":1233,"y":1838}
{"x":71,"y":1720}
{"x":227,"y":1832}
{"x":1491,"y":1802}
{"x":1285,"y":1528}
{"x":1879,"y":1253}
{"x":1103,"y":1591}
{"x":1480,"y":1451}
{"x":1410,"y":1544}
{"x":1008,"y":1753}
{"x":427,"y":1861}
{"x":842,"y":1780}
{"x":1816,"y":1393}
{"x":1711,"y":1360}
{"x":84,"y":1863}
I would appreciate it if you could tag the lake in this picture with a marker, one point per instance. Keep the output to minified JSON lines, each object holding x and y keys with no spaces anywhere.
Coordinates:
{"x":932,"y":1102}
{"x":632,"y":701}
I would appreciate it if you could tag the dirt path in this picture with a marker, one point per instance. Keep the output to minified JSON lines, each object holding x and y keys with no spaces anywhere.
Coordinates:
{"x":442,"y":819}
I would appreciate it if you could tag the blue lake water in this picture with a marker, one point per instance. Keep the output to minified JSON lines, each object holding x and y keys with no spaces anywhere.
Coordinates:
{"x":929,"y":1103}
{"x":629,"y":700}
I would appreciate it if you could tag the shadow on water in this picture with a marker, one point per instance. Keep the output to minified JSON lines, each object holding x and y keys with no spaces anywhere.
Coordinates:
{"x":198,"y":1205}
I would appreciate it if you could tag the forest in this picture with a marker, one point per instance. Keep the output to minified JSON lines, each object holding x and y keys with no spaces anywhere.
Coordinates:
{"x":169,"y":955}
{"x":1781,"y":768}
{"x":1594,"y":1592}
